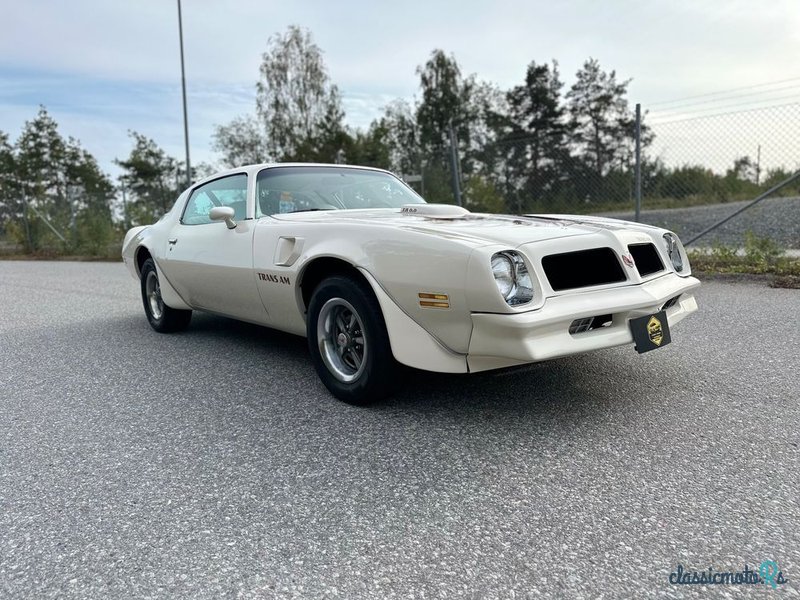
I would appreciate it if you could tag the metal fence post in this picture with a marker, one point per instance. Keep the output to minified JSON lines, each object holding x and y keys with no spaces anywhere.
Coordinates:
{"x":638,"y":137}
{"x":25,"y":220}
{"x":454,"y":162}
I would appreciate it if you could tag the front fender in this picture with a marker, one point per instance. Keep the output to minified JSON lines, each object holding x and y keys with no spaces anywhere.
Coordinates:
{"x":406,"y":264}
{"x":411,"y":344}
{"x":133,"y":238}
{"x":141,"y":238}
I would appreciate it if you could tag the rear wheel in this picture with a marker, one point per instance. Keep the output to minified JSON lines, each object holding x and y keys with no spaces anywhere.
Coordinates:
{"x":161,"y":317}
{"x":348,"y":341}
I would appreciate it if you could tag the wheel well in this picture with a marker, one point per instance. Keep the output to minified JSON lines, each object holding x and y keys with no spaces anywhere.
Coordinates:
{"x":322,"y":268}
{"x":142,"y":254}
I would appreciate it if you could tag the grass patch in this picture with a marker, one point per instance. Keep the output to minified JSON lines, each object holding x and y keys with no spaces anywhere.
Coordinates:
{"x":760,"y":256}
{"x":109,"y":253}
{"x":61,"y":257}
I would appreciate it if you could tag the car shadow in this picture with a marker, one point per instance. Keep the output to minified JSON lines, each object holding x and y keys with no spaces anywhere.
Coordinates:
{"x":568,"y":388}
{"x":550,"y":386}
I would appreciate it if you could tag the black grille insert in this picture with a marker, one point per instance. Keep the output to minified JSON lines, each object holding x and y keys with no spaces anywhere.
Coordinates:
{"x":590,"y":324}
{"x":671,"y":302}
{"x":583,"y":268}
{"x":646,"y":258}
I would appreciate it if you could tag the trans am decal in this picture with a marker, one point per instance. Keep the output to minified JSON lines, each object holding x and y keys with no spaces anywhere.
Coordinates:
{"x":269,"y":277}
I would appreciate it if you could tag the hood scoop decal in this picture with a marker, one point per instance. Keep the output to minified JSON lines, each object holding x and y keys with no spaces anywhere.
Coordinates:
{"x":435,"y":211}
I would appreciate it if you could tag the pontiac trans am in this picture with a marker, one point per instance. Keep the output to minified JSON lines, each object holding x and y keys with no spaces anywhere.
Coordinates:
{"x":356,"y":261}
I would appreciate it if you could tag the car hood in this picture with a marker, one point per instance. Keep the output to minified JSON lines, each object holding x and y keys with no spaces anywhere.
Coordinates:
{"x":474,"y":228}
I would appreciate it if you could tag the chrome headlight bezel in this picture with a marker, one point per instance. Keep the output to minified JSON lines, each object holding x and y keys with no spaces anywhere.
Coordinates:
{"x":676,"y":253}
{"x":512,"y":277}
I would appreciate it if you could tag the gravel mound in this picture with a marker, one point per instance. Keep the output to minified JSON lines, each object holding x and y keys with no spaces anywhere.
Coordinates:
{"x":775,"y":218}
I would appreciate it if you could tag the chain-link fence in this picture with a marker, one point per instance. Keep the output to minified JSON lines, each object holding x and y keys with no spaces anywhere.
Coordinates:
{"x":697,"y":167}
{"x":700,"y":169}
{"x":550,"y":171}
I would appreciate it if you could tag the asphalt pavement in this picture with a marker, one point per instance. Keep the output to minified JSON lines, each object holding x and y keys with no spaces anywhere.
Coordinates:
{"x":213,"y":463}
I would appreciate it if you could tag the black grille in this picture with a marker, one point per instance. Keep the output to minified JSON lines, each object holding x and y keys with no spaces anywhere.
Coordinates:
{"x":646,"y":258}
{"x":671,"y":302}
{"x":590,"y":324}
{"x":582,"y":269}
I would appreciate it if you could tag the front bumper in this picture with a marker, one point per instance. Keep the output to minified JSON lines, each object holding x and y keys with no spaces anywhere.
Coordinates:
{"x":502,"y":340}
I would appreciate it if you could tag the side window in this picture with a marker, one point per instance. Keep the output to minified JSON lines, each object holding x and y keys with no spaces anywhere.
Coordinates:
{"x":228,"y":191}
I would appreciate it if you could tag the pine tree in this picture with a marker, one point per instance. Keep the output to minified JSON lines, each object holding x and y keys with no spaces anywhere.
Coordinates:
{"x":602,"y":125}
{"x":536,"y":140}
{"x":152,"y":180}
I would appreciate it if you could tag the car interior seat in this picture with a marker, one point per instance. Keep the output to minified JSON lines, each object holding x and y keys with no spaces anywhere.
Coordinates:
{"x":239,"y":209}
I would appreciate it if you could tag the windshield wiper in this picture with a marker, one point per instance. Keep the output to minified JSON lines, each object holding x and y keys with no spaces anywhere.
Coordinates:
{"x":310,"y":210}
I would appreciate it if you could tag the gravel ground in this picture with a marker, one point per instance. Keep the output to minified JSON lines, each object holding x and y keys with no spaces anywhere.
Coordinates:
{"x":213,"y":463}
{"x":775,"y":218}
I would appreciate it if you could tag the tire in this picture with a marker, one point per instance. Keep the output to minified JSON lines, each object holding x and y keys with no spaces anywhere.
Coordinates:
{"x":348,"y":341}
{"x":161,"y":317}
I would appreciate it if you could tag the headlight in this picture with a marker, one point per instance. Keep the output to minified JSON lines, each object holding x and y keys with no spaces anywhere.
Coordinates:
{"x":503,"y":271}
{"x":512,"y":278}
{"x":674,"y":251}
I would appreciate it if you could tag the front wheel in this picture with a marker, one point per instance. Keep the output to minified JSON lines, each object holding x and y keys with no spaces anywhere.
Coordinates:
{"x":161,"y":317}
{"x":348,"y":341}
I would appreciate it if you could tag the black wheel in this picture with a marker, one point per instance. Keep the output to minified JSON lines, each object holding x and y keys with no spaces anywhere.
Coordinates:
{"x":162,"y":318}
{"x":348,"y":341}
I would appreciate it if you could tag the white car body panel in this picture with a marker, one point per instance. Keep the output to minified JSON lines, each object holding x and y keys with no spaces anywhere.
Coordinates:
{"x":255,"y":273}
{"x":505,"y":340}
{"x":211,"y":267}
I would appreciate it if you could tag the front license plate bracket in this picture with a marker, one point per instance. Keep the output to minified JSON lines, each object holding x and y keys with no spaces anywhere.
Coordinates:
{"x":650,"y":332}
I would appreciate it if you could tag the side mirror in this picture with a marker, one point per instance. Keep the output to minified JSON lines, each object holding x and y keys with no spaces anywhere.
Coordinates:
{"x":223,"y":213}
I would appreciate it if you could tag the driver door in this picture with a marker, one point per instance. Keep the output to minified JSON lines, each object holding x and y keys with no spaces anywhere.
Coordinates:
{"x":210,"y":265}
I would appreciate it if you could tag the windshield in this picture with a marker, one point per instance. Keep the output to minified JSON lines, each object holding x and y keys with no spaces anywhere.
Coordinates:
{"x":295,"y":189}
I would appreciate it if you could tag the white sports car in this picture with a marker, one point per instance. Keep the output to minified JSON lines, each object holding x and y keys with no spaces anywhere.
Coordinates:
{"x":355,"y":260}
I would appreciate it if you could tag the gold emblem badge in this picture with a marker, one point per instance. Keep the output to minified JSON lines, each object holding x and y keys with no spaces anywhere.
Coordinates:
{"x":654,"y":331}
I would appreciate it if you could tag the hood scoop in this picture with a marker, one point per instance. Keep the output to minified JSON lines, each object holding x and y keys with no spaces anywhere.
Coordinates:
{"x":435,"y":211}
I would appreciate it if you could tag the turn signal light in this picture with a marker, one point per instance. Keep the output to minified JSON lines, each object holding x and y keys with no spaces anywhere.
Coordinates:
{"x":431,"y":300}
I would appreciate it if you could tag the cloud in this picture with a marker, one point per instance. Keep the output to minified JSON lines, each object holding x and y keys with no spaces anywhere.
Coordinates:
{"x":105,"y":67}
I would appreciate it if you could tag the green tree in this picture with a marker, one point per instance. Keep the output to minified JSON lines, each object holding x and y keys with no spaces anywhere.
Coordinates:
{"x":299,"y":115}
{"x":41,"y":154}
{"x":687,"y":180}
{"x":370,"y":148}
{"x":446,"y":101}
{"x":777,"y":175}
{"x":602,"y":126}
{"x":744,"y":169}
{"x":240,"y":142}
{"x":92,"y":195}
{"x":536,"y":134}
{"x":59,"y":187}
{"x":9,"y":203}
{"x":481,"y":195}
{"x":299,"y":108}
{"x":739,"y":181}
{"x":400,"y":134}
{"x":489,"y":109}
{"x":151,"y":180}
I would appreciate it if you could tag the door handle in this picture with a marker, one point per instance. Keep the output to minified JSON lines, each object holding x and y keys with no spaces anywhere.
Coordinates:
{"x":173,"y":241}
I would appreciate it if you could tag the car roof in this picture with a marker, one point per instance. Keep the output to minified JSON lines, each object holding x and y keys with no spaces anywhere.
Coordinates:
{"x":254,"y":168}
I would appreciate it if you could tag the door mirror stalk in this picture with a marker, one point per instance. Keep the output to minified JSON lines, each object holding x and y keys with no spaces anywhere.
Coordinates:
{"x":223,"y":213}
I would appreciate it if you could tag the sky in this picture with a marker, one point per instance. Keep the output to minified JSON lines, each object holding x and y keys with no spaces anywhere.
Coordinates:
{"x":103,"y":68}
